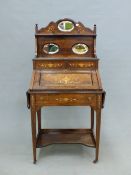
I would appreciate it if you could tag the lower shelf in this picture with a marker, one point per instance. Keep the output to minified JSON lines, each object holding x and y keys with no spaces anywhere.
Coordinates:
{"x":62,"y":136}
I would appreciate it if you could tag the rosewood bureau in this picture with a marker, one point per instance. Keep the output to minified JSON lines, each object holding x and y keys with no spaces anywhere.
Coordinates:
{"x":65,"y":73}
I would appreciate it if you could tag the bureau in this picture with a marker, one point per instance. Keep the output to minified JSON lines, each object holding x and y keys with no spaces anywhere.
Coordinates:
{"x":65,"y":73}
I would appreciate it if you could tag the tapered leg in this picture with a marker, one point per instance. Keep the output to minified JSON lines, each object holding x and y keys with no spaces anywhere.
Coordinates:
{"x":33,"y":125}
{"x":98,"y":124}
{"x":92,"y":118}
{"x":39,"y":119}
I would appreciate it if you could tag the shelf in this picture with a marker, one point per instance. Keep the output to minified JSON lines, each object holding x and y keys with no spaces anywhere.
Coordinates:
{"x":65,"y":136}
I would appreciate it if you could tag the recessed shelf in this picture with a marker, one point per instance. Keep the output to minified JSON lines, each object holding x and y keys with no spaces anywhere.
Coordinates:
{"x":62,"y":136}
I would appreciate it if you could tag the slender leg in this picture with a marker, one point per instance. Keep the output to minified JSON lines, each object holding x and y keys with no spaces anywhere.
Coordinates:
{"x":98,"y":124}
{"x":92,"y":118}
{"x":39,"y":119}
{"x":33,"y":125}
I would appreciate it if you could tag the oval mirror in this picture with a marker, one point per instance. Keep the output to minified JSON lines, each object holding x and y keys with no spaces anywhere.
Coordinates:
{"x":80,"y":48}
{"x":51,"y":48}
{"x":66,"y":26}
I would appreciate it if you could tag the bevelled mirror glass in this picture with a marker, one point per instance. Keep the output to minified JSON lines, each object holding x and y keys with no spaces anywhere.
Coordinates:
{"x":80,"y":48}
{"x":51,"y":48}
{"x":66,"y":26}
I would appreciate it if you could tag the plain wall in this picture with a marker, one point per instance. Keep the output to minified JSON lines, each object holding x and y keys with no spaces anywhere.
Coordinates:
{"x":17,"y":20}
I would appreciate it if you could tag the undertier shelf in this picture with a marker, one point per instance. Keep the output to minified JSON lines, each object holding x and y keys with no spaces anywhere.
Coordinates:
{"x":65,"y":136}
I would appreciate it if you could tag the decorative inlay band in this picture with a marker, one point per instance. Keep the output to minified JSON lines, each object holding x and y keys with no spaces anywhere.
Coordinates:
{"x":99,"y":101}
{"x":32,"y":100}
{"x":81,"y":65}
{"x":66,"y":65}
{"x":65,"y":99}
{"x":50,"y":65}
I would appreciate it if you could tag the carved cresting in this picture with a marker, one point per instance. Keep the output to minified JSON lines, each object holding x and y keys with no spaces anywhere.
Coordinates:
{"x":51,"y":27}
{"x":79,"y":28}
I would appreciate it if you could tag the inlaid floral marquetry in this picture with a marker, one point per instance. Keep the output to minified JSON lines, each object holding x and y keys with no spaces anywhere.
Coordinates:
{"x":50,"y":48}
{"x":66,"y":65}
{"x":81,"y":65}
{"x":66,"y":99}
{"x":49,"y":65}
{"x":66,"y":26}
{"x":68,"y":80}
{"x":80,"y":49}
{"x":65,"y":73}
{"x":49,"y":79}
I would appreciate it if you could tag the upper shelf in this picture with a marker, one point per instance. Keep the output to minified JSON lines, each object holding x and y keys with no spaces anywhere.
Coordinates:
{"x":65,"y":27}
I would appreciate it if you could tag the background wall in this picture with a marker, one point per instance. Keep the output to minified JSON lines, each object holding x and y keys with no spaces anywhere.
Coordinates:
{"x":17,"y":19}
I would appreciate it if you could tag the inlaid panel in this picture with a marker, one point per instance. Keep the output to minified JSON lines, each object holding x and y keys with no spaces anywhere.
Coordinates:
{"x":65,"y":63}
{"x":65,"y":80}
{"x":58,"y":79}
{"x":72,"y":37}
{"x":62,"y":99}
{"x":69,"y":46}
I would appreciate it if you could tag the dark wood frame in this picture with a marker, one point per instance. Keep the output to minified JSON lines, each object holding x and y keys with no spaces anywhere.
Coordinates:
{"x":37,"y":98}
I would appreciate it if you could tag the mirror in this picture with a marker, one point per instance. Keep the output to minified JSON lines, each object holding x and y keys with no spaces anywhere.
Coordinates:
{"x":51,"y":48}
{"x":66,"y":26}
{"x":80,"y":48}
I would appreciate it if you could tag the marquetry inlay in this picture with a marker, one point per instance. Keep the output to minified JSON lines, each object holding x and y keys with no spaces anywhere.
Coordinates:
{"x":99,"y":101}
{"x":86,"y":99}
{"x":81,"y":65}
{"x":65,"y":99}
{"x":65,"y":73}
{"x":66,"y":80}
{"x":50,"y":79}
{"x":32,"y":100}
{"x":50,"y":65}
{"x":51,"y":28}
{"x":66,"y":65}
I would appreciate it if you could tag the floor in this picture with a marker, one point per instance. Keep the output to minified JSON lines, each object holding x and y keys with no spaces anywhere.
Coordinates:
{"x":16,"y":52}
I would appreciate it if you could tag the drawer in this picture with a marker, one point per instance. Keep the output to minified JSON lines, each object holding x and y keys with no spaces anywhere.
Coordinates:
{"x":44,"y":64}
{"x":65,"y":99}
{"x":64,"y":64}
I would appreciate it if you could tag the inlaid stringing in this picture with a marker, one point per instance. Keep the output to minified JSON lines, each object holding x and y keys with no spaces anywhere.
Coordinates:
{"x":65,"y":73}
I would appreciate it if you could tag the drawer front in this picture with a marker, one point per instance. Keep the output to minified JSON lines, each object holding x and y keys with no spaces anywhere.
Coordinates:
{"x":44,"y":64}
{"x":65,"y":100}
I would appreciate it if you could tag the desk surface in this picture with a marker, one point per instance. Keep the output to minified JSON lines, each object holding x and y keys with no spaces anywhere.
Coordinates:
{"x":65,"y":80}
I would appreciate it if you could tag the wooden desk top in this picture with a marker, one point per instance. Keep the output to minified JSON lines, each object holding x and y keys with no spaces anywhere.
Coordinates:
{"x":65,"y":80}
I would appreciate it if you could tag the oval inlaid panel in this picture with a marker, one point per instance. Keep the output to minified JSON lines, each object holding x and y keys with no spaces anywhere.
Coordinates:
{"x":66,"y":26}
{"x":51,"y":48}
{"x":80,"y":48}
